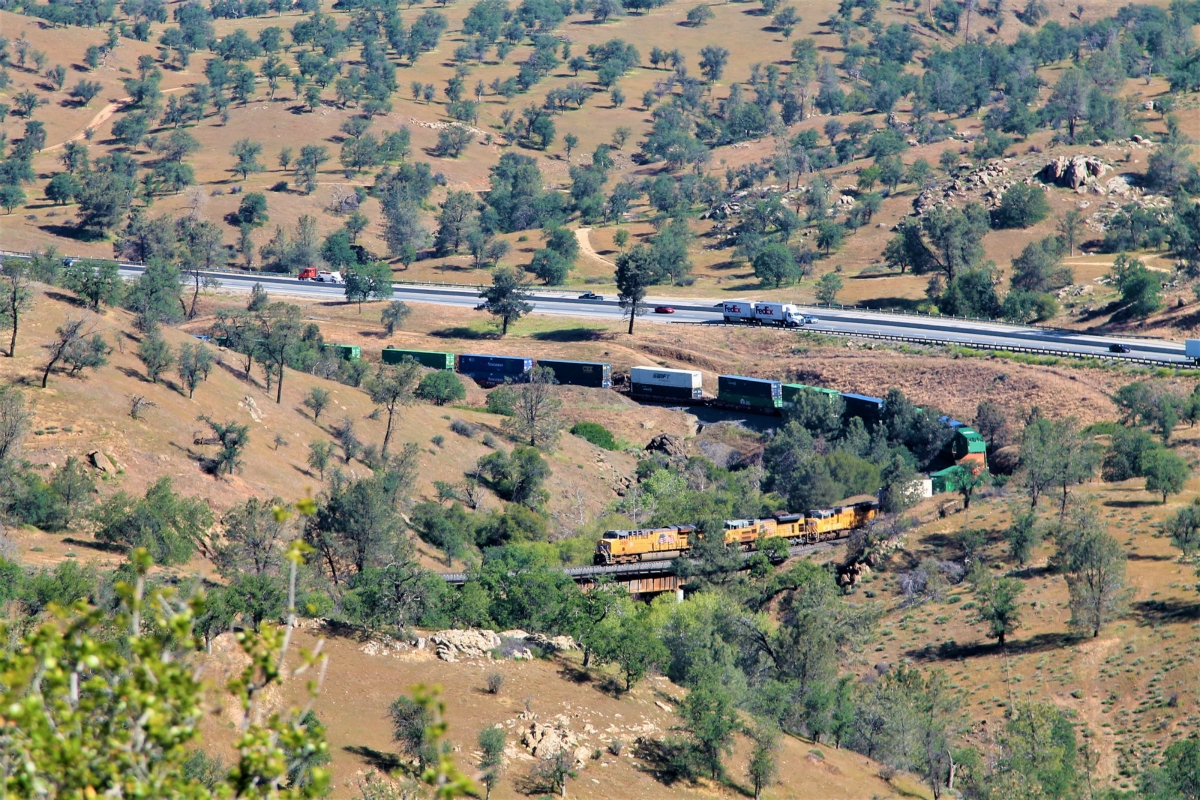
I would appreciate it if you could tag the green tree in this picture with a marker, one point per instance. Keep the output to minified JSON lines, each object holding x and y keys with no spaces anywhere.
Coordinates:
{"x":319,"y":453}
{"x":637,"y":270}
{"x":168,"y":526}
{"x":634,"y":648}
{"x":393,"y":315}
{"x":491,"y":759}
{"x":775,"y":262}
{"x":195,"y":363}
{"x":1181,"y":768}
{"x":246,"y":152}
{"x":277,"y":330}
{"x":997,"y":604}
{"x":155,"y":354}
{"x":393,"y":387}
{"x":411,"y":730}
{"x":763,"y":767}
{"x":830,"y":236}
{"x":316,"y":401}
{"x":441,"y":387}
{"x":1022,"y":206}
{"x":1166,"y":472}
{"x":828,"y":287}
{"x":536,"y":410}
{"x":94,"y":280}
{"x":130,"y":749}
{"x":16,"y":297}
{"x":372,"y":281}
{"x":232,"y":438}
{"x":1070,"y":229}
{"x":1141,"y":289}
{"x":507,"y":297}
{"x":1023,"y":536}
{"x":710,"y":717}
{"x":1093,"y":563}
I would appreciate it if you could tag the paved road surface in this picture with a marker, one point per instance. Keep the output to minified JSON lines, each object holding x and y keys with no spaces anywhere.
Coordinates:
{"x":696,"y":310}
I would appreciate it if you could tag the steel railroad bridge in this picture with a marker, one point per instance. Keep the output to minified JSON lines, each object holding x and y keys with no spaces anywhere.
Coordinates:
{"x":644,"y":578}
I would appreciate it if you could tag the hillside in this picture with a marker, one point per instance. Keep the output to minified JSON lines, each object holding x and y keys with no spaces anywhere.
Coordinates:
{"x":279,"y":119}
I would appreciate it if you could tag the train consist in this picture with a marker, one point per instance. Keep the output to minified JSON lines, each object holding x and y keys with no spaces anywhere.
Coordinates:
{"x":659,"y":544}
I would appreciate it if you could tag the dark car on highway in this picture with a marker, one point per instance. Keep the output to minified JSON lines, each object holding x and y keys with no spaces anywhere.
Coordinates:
{"x":663,"y":310}
{"x":590,"y":296}
{"x":1118,"y":348}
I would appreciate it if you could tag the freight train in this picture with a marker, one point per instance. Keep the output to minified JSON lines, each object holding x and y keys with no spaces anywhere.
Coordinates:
{"x":674,"y":541}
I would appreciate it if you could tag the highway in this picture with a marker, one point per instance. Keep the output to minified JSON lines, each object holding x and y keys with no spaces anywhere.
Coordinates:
{"x":844,"y":321}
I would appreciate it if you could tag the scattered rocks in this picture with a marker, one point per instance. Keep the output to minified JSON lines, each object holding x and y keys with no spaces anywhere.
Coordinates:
{"x":248,"y":403}
{"x":544,"y":741}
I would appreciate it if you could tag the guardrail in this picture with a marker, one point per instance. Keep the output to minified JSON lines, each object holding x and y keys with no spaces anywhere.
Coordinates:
{"x":1154,"y":362}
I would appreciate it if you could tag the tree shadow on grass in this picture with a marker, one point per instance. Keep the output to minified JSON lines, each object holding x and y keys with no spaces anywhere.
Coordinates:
{"x":463,"y":332}
{"x":1156,"y":611}
{"x":570,"y":335}
{"x":890,"y":303}
{"x":70,"y":232}
{"x":1133,"y":556}
{"x":666,"y":760}
{"x":385,"y":762}
{"x":103,"y":547}
{"x":1131,"y":503}
{"x":67,"y":298}
{"x":574,"y":674}
{"x":1041,"y":643}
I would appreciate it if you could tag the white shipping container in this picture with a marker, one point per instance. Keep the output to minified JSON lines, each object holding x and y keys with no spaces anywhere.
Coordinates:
{"x":1191,"y":348}
{"x":659,"y":376}
{"x":738,"y":310}
{"x":778,"y":314}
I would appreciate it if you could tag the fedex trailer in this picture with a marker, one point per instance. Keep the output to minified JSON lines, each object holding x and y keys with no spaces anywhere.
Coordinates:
{"x":785,"y":314}
{"x":738,"y":311}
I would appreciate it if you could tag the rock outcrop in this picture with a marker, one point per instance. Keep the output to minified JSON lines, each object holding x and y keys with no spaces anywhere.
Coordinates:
{"x":1073,"y":172}
{"x":673,"y":446}
{"x":451,"y":645}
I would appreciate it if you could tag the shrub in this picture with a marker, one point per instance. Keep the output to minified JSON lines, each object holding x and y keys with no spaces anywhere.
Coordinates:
{"x":595,"y":433}
{"x":440,"y":388}
{"x":439,"y":440}
{"x":494,"y":681}
{"x":463,"y":428}
{"x":501,"y":401}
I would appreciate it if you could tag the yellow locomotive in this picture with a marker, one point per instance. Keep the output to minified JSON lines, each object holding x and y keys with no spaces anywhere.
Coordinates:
{"x":657,"y":544}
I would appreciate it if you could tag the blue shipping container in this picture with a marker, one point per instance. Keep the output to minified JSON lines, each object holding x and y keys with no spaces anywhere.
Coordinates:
{"x":494,"y":369}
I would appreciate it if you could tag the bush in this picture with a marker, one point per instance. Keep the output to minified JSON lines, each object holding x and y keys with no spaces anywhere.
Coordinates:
{"x":595,"y":433}
{"x":440,"y":388}
{"x":463,"y":428}
{"x":494,"y":681}
{"x":501,"y":400}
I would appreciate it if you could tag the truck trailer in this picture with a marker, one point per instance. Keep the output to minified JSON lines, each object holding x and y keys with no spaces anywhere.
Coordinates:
{"x":784,"y":314}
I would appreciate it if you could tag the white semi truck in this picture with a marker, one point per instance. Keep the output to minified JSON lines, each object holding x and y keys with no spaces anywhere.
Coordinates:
{"x":784,"y":314}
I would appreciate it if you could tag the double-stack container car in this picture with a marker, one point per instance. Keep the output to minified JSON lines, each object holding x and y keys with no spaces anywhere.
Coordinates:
{"x":346,"y":352}
{"x":596,"y":374}
{"x":493,"y":370}
{"x":426,"y":358}
{"x":659,"y":383}
{"x":760,"y":394}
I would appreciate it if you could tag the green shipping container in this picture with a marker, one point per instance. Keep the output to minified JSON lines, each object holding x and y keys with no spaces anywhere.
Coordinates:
{"x":426,"y":358}
{"x":790,"y":390}
{"x":347,"y":352}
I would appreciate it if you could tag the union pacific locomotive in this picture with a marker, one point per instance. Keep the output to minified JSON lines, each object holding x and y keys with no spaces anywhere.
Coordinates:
{"x":657,"y":544}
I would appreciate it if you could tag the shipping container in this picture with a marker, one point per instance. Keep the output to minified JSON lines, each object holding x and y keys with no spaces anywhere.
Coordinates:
{"x":426,"y":358}
{"x":659,"y":383}
{"x":491,"y":370}
{"x":785,"y":314}
{"x":347,"y":352}
{"x":738,"y":311}
{"x":860,"y":405}
{"x":790,"y":390}
{"x":596,"y":374}
{"x":1191,"y":348}
{"x":742,"y":392}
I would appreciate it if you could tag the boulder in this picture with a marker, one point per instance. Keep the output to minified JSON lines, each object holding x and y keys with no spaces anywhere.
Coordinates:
{"x":673,"y":446}
{"x":544,"y":741}
{"x":1004,"y":461}
{"x":1073,"y":172}
{"x":101,"y":462}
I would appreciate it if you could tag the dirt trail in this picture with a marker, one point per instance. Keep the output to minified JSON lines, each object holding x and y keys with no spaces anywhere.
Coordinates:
{"x":585,"y":246}
{"x":104,"y":115}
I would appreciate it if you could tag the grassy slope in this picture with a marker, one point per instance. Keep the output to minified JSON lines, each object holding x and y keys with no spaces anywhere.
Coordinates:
{"x":737,"y":26}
